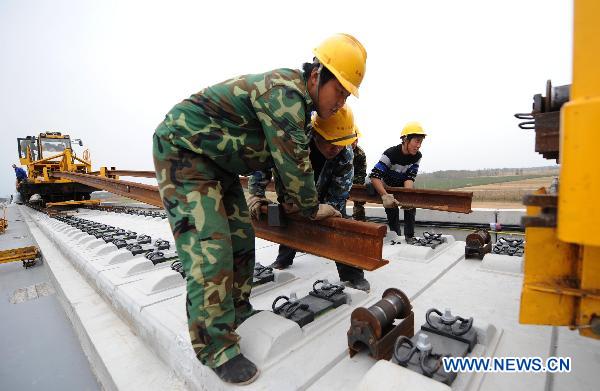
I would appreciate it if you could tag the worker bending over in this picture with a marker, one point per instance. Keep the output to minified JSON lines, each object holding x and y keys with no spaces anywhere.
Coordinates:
{"x":360,"y":175}
{"x":239,"y":126}
{"x":20,"y":174}
{"x":331,"y":157}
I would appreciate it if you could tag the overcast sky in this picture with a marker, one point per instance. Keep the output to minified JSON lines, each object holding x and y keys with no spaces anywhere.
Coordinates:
{"x":108,"y":71}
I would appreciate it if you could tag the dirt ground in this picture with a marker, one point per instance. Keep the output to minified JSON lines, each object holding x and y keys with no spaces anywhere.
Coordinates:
{"x":526,"y":184}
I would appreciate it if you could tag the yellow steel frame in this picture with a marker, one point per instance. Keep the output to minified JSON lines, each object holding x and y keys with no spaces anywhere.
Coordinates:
{"x":3,"y":221}
{"x":68,"y":162}
{"x":562,"y":265}
{"x":19,"y":254}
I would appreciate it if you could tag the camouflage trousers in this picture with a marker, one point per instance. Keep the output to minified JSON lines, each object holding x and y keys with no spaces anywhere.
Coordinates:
{"x":211,"y":224}
{"x":358,"y":211}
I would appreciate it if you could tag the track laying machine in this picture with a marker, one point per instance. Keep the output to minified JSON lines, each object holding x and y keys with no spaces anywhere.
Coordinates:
{"x":47,"y":153}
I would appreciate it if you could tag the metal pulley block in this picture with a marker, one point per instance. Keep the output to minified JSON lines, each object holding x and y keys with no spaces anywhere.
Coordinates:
{"x":331,"y":292}
{"x":448,"y":325}
{"x":262,"y":274}
{"x":292,"y":309}
{"x":545,"y":119}
{"x":478,"y":244}
{"x":376,"y":327}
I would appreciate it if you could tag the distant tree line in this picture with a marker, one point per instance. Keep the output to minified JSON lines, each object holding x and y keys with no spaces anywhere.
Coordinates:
{"x":490,"y":172}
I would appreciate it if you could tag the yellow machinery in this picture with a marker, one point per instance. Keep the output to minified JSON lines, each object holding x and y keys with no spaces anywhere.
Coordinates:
{"x":3,"y":221}
{"x":26,"y":254}
{"x":562,"y":256}
{"x":52,"y":152}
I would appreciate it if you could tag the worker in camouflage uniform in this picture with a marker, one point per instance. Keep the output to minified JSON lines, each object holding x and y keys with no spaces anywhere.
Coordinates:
{"x":239,"y":126}
{"x":360,"y":175}
{"x":331,"y":158}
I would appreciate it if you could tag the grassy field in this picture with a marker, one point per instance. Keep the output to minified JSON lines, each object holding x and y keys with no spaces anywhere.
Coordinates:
{"x":425,"y":182}
{"x":512,"y":191}
{"x":488,"y":191}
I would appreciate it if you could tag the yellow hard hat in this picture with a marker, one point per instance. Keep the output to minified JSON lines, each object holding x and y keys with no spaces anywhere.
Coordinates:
{"x":338,"y":129}
{"x":412,"y":128}
{"x":346,"y":58}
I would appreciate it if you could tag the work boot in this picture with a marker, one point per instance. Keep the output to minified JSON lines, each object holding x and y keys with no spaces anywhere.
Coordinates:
{"x":360,"y":283}
{"x":411,"y":240}
{"x":279,"y":265}
{"x":239,"y":370}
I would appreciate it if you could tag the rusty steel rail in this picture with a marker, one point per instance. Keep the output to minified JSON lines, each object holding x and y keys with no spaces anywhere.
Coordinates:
{"x":350,"y":242}
{"x":354,"y":243}
{"x":137,"y":191}
{"x":447,"y":201}
{"x":134,"y":173}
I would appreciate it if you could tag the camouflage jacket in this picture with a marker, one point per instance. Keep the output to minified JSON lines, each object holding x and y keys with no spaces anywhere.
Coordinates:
{"x":250,"y":123}
{"x":333,"y":185}
{"x":360,"y":166}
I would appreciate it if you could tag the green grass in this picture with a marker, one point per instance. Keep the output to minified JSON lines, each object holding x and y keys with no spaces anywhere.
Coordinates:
{"x":429,"y":182}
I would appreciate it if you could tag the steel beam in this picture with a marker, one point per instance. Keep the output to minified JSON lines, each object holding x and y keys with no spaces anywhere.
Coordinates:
{"x":134,"y":173}
{"x":137,"y":191}
{"x":350,"y":242}
{"x":447,"y":201}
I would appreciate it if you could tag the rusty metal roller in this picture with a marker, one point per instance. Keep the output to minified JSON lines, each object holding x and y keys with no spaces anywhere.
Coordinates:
{"x":380,"y":316}
{"x":478,"y":238}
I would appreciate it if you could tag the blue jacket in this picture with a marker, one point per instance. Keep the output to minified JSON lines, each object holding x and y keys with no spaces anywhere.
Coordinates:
{"x":20,"y":173}
{"x":333,"y":185}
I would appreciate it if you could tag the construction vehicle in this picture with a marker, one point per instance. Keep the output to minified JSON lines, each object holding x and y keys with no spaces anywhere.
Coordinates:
{"x":561,"y":285}
{"x":27,"y":255}
{"x":3,"y":221}
{"x":47,"y":153}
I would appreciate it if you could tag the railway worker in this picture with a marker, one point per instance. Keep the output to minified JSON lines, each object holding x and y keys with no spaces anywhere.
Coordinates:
{"x":20,"y":174}
{"x":331,"y":157}
{"x":360,"y":175}
{"x":245,"y":124}
{"x":398,"y":167}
